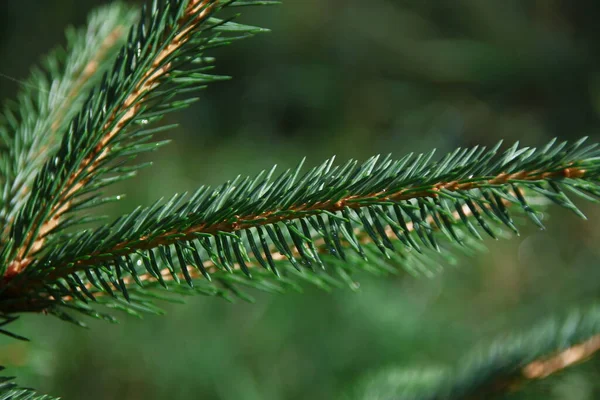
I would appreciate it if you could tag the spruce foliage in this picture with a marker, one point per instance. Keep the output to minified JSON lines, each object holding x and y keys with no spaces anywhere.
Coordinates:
{"x":98,"y":104}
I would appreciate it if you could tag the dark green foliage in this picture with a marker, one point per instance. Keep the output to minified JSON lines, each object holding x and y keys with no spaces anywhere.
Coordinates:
{"x":271,"y":233}
{"x":331,"y":218}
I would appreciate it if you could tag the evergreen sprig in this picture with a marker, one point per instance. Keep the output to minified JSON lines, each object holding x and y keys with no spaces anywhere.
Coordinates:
{"x":97,"y":110}
{"x":297,"y":217}
{"x":352,"y":213}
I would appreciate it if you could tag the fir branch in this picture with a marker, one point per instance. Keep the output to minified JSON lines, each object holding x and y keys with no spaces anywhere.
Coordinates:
{"x":34,"y":124}
{"x":251,"y":203}
{"x":299,"y":216}
{"x":142,"y":84}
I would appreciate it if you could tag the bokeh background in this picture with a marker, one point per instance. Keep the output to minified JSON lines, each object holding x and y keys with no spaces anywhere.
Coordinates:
{"x":351,"y":78}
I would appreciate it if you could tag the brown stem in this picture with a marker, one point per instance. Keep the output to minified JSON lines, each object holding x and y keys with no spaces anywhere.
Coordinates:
{"x":543,"y":368}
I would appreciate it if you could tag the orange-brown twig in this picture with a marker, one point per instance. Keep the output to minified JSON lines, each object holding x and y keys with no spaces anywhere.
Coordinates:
{"x":545,"y":367}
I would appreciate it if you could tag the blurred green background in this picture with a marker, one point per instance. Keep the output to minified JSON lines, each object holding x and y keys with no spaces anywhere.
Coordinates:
{"x":351,"y":78}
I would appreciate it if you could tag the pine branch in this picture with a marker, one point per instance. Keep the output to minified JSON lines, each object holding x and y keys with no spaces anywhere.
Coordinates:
{"x":32,"y":127}
{"x":142,"y":85}
{"x":494,"y":369}
{"x":297,"y":217}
